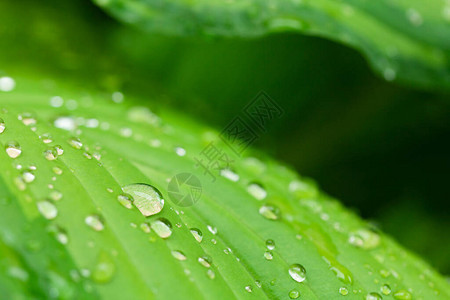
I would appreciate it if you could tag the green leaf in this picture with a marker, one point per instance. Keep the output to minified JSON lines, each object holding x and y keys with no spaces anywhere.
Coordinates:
{"x":407,"y":40}
{"x":68,"y":231}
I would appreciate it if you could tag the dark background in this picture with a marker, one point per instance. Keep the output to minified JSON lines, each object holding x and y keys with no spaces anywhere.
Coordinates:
{"x":381,"y":148}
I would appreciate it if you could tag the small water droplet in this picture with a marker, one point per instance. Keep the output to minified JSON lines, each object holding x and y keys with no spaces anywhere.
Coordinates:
{"x":146,"y":198}
{"x":65,"y":123}
{"x":414,"y":17}
{"x":57,"y":170}
{"x":258,"y":283}
{"x":2,"y":125}
{"x":145,"y":227}
{"x":162,"y":227}
{"x":197,"y":234}
{"x":343,"y":291}
{"x":125,"y":201}
{"x":180,"y":151}
{"x":55,"y":195}
{"x":228,"y":174}
{"x":373,"y":296}
{"x":211,"y":229}
{"x":117,"y":97}
{"x":270,"y":212}
{"x":28,"y":176}
{"x":7,"y":84}
{"x":59,"y":150}
{"x":297,"y":272}
{"x":294,"y":294}
{"x":270,"y":244}
{"x":75,"y":143}
{"x":268,"y":255}
{"x":210,"y":273}
{"x":47,"y":209}
{"x":60,"y":234}
{"x":13,"y":149}
{"x":56,"y":101}
{"x":178,"y":255}
{"x":402,"y":295}
{"x":364,"y":238}
{"x":385,"y":289}
{"x":257,"y":191}
{"x":95,"y":222}
{"x":46,"y":138}
{"x":205,"y":261}
{"x":27,"y":119}
{"x":126,"y":132}
{"x":104,"y":269}
{"x":50,"y":154}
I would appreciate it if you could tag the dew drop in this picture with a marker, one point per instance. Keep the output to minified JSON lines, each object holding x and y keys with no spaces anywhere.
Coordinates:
{"x":59,"y":150}
{"x":414,"y":17}
{"x":145,"y":227}
{"x":95,"y":222}
{"x":146,"y":198}
{"x":297,"y":272}
{"x":210,"y":273}
{"x":46,"y":138}
{"x":205,"y":261}
{"x":364,"y":238}
{"x":57,"y":170}
{"x":258,"y":283}
{"x":65,"y":123}
{"x":56,"y":101}
{"x":257,"y":191}
{"x":373,"y":296}
{"x":270,"y":212}
{"x":125,"y":201}
{"x":249,"y":288}
{"x":75,"y":143}
{"x":402,"y":295}
{"x":180,"y":151}
{"x":7,"y":84}
{"x":270,"y":244}
{"x":197,"y":234}
{"x":268,"y":255}
{"x":385,"y":289}
{"x":27,"y":119}
{"x":211,"y":229}
{"x":294,"y":294}
{"x":228,"y":174}
{"x":343,"y":291}
{"x":162,"y":227}
{"x":2,"y":125}
{"x":178,"y":255}
{"x":104,"y":269}
{"x":28,"y":176}
{"x":13,"y":149}
{"x":60,"y":234}
{"x":55,"y":195}
{"x":47,"y":209}
{"x":50,"y":154}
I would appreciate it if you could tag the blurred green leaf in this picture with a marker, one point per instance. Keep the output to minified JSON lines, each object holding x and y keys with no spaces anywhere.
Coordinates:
{"x":401,"y":39}
{"x":61,"y":215}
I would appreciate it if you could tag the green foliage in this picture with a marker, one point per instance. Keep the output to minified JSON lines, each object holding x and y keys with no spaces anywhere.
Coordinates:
{"x":64,"y":233}
{"x":403,"y":39}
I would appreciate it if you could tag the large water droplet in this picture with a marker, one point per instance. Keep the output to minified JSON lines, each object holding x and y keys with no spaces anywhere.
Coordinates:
{"x":270,"y":212}
{"x":297,"y":272}
{"x":7,"y":84}
{"x":146,"y":198}
{"x":178,"y":255}
{"x":257,"y":191}
{"x":197,"y":234}
{"x":402,"y":295}
{"x":364,"y":238}
{"x":47,"y":209}
{"x":95,"y":222}
{"x":104,"y":269}
{"x":13,"y":149}
{"x":162,"y":227}
{"x":373,"y":296}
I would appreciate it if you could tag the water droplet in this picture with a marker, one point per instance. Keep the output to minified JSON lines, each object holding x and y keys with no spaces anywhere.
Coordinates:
{"x":180,"y":151}
{"x":2,"y":125}
{"x":50,"y":154}
{"x":373,"y":296}
{"x":402,"y":295}
{"x":197,"y":234}
{"x":270,"y":212}
{"x":228,"y":174}
{"x":60,"y":234}
{"x":343,"y":291}
{"x":18,"y":273}
{"x":162,"y":227}
{"x":297,"y":272}
{"x":364,"y":238}
{"x":125,"y":200}
{"x":414,"y":17}
{"x":211,"y":229}
{"x":47,"y":209}
{"x":7,"y":84}
{"x":65,"y":123}
{"x":56,"y":101}
{"x":126,"y":132}
{"x":27,"y":119}
{"x":146,"y":198}
{"x":59,"y":150}
{"x":20,"y":183}
{"x":211,"y":274}
{"x":257,"y":191}
{"x":258,"y":283}
{"x":95,"y":222}
{"x":178,"y":255}
{"x":75,"y":143}
{"x":389,"y":74}
{"x":294,"y":294}
{"x":249,"y":288}
{"x":46,"y":138}
{"x":205,"y":261}
{"x":270,"y":244}
{"x":28,"y":176}
{"x":117,"y":97}
{"x":104,"y":269}
{"x":55,"y":195}
{"x":385,"y":289}
{"x":57,"y":170}
{"x":268,"y":255}
{"x":13,"y":149}
{"x":145,"y":227}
